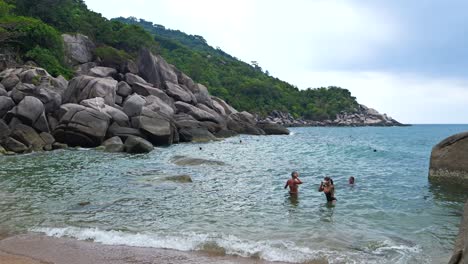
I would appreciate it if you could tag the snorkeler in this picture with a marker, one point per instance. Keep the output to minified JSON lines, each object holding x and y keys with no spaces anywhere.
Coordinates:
{"x":293,"y":183}
{"x":327,"y":187}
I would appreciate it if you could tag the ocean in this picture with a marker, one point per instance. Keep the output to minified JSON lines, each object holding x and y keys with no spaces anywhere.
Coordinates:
{"x":238,"y":206}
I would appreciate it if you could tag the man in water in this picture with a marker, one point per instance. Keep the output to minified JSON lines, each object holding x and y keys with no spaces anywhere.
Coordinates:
{"x":351,"y":180}
{"x":327,"y":187}
{"x":293,"y":183}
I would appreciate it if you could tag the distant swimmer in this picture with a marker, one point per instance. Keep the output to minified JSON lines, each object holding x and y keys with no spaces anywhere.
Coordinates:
{"x":351,"y":180}
{"x":293,"y":183}
{"x":201,"y":148}
{"x":240,"y":141}
{"x":327,"y":187}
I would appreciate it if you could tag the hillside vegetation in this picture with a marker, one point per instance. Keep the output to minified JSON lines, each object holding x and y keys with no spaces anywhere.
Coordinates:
{"x":32,"y":29}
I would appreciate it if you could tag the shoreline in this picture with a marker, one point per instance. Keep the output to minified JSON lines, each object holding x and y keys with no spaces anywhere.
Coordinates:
{"x":35,"y":248}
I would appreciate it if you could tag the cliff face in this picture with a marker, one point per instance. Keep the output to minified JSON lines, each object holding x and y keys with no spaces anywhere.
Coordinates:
{"x":142,"y":103}
{"x":363,"y":116}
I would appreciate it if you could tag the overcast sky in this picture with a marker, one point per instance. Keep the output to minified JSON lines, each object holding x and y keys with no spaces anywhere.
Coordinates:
{"x":405,"y":58}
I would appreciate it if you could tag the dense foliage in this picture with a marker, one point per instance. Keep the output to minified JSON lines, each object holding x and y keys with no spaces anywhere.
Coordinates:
{"x":33,"y":29}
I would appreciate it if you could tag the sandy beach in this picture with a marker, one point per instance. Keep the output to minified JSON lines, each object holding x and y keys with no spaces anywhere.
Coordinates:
{"x":40,"y":249}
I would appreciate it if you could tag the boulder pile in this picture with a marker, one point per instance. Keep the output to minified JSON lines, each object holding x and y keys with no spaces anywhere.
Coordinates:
{"x":132,"y":107}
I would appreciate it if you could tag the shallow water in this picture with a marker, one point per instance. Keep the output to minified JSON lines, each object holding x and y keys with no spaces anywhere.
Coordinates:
{"x":392,"y":214}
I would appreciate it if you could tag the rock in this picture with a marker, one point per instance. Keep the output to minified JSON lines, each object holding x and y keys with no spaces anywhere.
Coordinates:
{"x":47,"y":138}
{"x":195,"y":135}
{"x":79,"y":48}
{"x":243,"y":123}
{"x":58,"y":145}
{"x":131,"y":78}
{"x":4,"y":130}
{"x":10,"y":82}
{"x":22,"y":90}
{"x":180,"y":94}
{"x":28,"y":136}
{"x":225,"y":133}
{"x":146,"y":90}
{"x":3,"y":92}
{"x":102,"y":72}
{"x":202,"y":95}
{"x":226,"y":107}
{"x":449,"y":160}
{"x":179,"y":178}
{"x":273,"y":129}
{"x":53,"y":122}
{"x":86,"y":87}
{"x":188,"y":161}
{"x":81,"y":126}
{"x":460,"y":251}
{"x":137,"y":145}
{"x":113,"y":144}
{"x":157,"y":129}
{"x":123,"y":132}
{"x":123,"y":89}
{"x":129,"y":67}
{"x":83,"y":69}
{"x":115,"y":114}
{"x":14,"y":145}
{"x":31,"y":112}
{"x":33,"y":75}
{"x":6,"y":104}
{"x":157,"y":105}
{"x":133,"y":105}
{"x":197,"y":113}
{"x":154,"y":69}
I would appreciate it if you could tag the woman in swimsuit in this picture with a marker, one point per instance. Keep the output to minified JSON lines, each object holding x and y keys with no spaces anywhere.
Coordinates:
{"x":327,"y":187}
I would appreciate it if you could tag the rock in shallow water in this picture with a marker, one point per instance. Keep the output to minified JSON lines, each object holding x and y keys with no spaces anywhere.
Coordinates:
{"x":188,"y":161}
{"x":137,"y":145}
{"x":179,"y":178}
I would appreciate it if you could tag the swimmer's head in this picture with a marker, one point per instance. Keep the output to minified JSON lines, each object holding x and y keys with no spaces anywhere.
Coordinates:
{"x":351,"y":180}
{"x":294,"y":174}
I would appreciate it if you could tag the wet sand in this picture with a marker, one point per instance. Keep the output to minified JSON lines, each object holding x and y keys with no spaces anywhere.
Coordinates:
{"x":40,"y":249}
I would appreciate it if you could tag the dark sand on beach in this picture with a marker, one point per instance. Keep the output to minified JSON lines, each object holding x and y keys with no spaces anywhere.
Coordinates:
{"x":40,"y":249}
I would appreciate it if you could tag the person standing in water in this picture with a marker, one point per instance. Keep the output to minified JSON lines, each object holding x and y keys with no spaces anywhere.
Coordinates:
{"x":293,"y":183}
{"x":327,"y":187}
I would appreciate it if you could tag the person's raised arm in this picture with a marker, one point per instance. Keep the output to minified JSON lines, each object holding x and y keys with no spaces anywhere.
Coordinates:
{"x":320,"y":189}
{"x":298,"y":181}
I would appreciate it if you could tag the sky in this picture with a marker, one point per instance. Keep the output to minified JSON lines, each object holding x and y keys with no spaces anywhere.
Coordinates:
{"x":405,"y":58}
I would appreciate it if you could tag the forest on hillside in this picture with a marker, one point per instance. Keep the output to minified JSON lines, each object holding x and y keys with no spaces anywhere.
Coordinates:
{"x":32,"y":29}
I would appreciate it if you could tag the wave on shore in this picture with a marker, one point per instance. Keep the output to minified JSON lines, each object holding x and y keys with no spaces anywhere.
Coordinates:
{"x":284,"y":251}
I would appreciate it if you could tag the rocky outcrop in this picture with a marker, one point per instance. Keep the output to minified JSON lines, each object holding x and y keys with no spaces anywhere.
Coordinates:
{"x":79,"y":48}
{"x":144,"y":103}
{"x":362,"y":116}
{"x":449,"y":160}
{"x":460,"y":251}
{"x":273,"y":128}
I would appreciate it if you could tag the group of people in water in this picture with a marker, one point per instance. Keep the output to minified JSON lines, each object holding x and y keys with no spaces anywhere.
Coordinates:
{"x":326,"y":186}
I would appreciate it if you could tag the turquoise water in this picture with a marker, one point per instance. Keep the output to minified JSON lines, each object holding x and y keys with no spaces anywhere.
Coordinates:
{"x":392,"y":214}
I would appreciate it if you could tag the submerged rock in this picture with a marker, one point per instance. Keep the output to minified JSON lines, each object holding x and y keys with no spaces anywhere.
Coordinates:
{"x":188,"y":161}
{"x":179,"y":178}
{"x":449,"y":160}
{"x":137,"y":145}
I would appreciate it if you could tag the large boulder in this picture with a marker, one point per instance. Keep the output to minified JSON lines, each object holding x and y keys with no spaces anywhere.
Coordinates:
{"x":154,"y":69}
{"x":123,"y":89}
{"x":460,"y":251}
{"x":155,"y":104}
{"x":273,"y":128}
{"x":197,"y":113}
{"x":29,"y":137}
{"x":244,"y":123}
{"x":157,"y":129}
{"x":113,"y":144}
{"x":227,"y":109}
{"x":102,"y":72}
{"x":137,"y":145}
{"x":449,"y":160}
{"x":4,"y":130}
{"x":79,"y":48}
{"x":114,"y":114}
{"x":10,"y":82}
{"x":6,"y":104}
{"x":14,"y":145}
{"x":180,"y":94}
{"x":30,"y":111}
{"x":123,"y":132}
{"x":147,"y":90}
{"x":131,"y":78}
{"x":195,"y":135}
{"x":85,"y":87}
{"x":81,"y":126}
{"x":133,"y":105}
{"x":49,"y":95}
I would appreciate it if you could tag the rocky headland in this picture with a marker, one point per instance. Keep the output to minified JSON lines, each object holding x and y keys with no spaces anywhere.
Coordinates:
{"x":361,"y":116}
{"x":129,"y":107}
